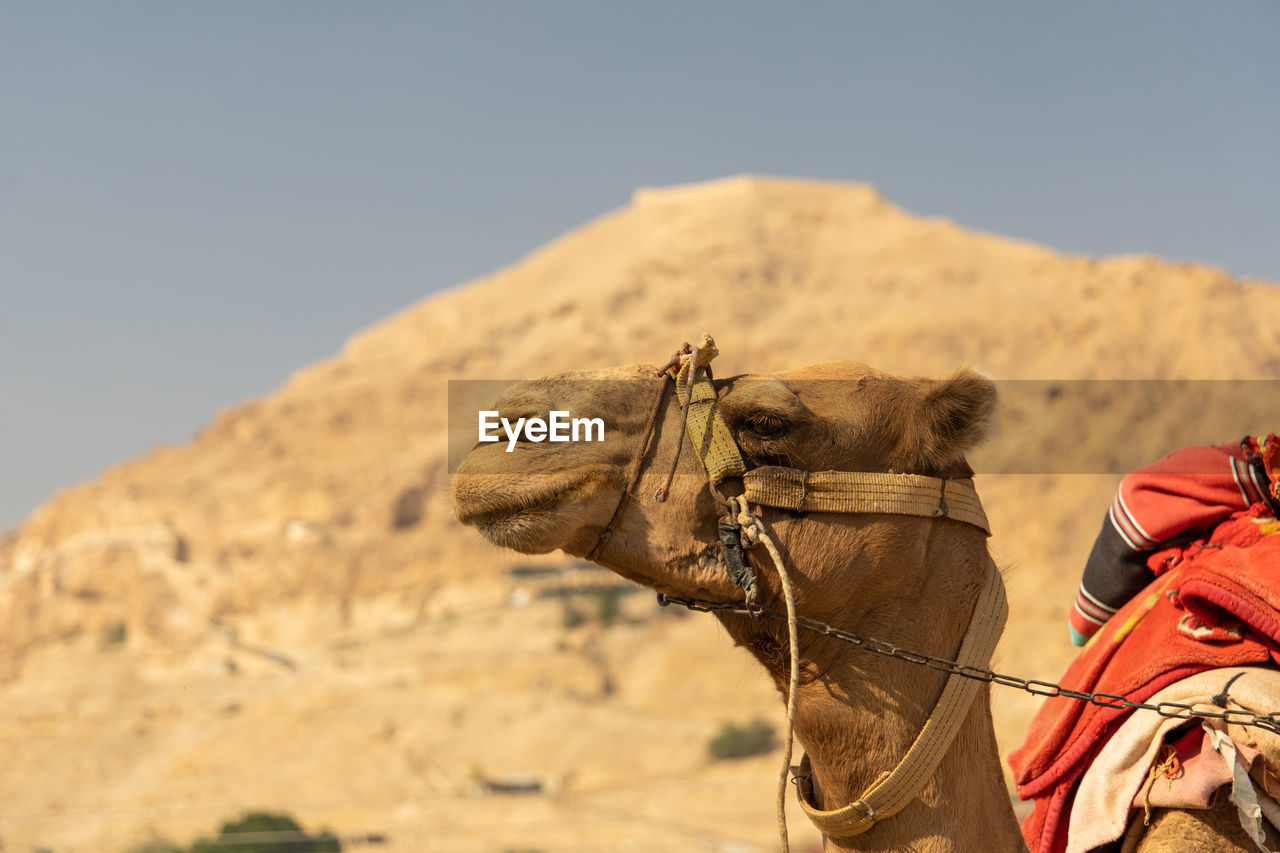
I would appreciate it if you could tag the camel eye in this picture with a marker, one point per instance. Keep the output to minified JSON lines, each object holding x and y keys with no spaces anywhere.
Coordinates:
{"x":767,"y":428}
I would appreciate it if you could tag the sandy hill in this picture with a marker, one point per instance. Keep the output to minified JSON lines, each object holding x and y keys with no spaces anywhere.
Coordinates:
{"x":283,"y":614}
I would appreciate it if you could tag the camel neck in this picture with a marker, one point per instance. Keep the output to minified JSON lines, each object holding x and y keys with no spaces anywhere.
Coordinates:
{"x":858,"y":713}
{"x":963,"y":807}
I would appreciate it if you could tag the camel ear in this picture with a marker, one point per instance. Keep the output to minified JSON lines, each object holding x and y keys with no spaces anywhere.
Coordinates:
{"x":954,"y":415}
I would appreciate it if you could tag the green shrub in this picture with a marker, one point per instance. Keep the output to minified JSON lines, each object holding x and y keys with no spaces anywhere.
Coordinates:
{"x":734,"y":742}
{"x":116,"y":634}
{"x":261,"y":832}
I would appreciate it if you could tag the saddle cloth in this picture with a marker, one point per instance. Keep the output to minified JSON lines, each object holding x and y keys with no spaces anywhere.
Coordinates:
{"x":1214,"y":603}
{"x":1119,"y":785}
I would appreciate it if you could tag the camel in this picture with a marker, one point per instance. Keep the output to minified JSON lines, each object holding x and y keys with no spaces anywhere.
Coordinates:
{"x":909,"y":580}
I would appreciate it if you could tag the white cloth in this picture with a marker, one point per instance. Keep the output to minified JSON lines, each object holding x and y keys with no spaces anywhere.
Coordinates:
{"x":1103,"y":801}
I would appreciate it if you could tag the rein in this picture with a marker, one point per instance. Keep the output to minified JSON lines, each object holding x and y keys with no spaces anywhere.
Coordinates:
{"x":819,"y":491}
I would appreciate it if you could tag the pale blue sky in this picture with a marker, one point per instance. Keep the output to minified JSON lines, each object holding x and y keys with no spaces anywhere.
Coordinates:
{"x":196,"y":199}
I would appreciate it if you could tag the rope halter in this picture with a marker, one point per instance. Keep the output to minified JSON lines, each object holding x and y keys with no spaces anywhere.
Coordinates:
{"x":852,"y":492}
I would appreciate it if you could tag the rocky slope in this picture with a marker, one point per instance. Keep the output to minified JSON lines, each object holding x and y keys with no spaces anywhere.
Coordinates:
{"x":282,"y":612}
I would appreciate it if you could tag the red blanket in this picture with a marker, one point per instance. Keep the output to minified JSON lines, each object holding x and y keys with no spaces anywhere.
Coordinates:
{"x":1214,"y":603}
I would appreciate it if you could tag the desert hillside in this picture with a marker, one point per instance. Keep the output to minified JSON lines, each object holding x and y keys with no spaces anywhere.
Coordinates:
{"x":283,"y":614}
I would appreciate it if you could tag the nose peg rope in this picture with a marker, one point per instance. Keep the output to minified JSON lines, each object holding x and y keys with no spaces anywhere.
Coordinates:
{"x":754,"y":533}
{"x":720,"y":463}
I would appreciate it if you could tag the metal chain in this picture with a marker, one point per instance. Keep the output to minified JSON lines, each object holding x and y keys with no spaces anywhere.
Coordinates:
{"x":1173,"y":710}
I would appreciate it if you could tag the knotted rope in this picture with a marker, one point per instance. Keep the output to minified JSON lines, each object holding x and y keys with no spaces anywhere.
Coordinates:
{"x":754,"y":533}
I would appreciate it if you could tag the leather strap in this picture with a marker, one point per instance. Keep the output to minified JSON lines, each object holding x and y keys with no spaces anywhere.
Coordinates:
{"x":859,"y":492}
{"x":895,"y":788}
{"x":708,"y":431}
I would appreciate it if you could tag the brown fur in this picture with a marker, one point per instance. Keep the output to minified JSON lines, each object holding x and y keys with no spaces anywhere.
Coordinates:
{"x":1217,"y":828}
{"x":909,"y":581}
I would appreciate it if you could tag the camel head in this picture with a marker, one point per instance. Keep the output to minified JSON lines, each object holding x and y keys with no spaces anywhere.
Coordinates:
{"x":824,"y":456}
{"x":537,"y":495}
